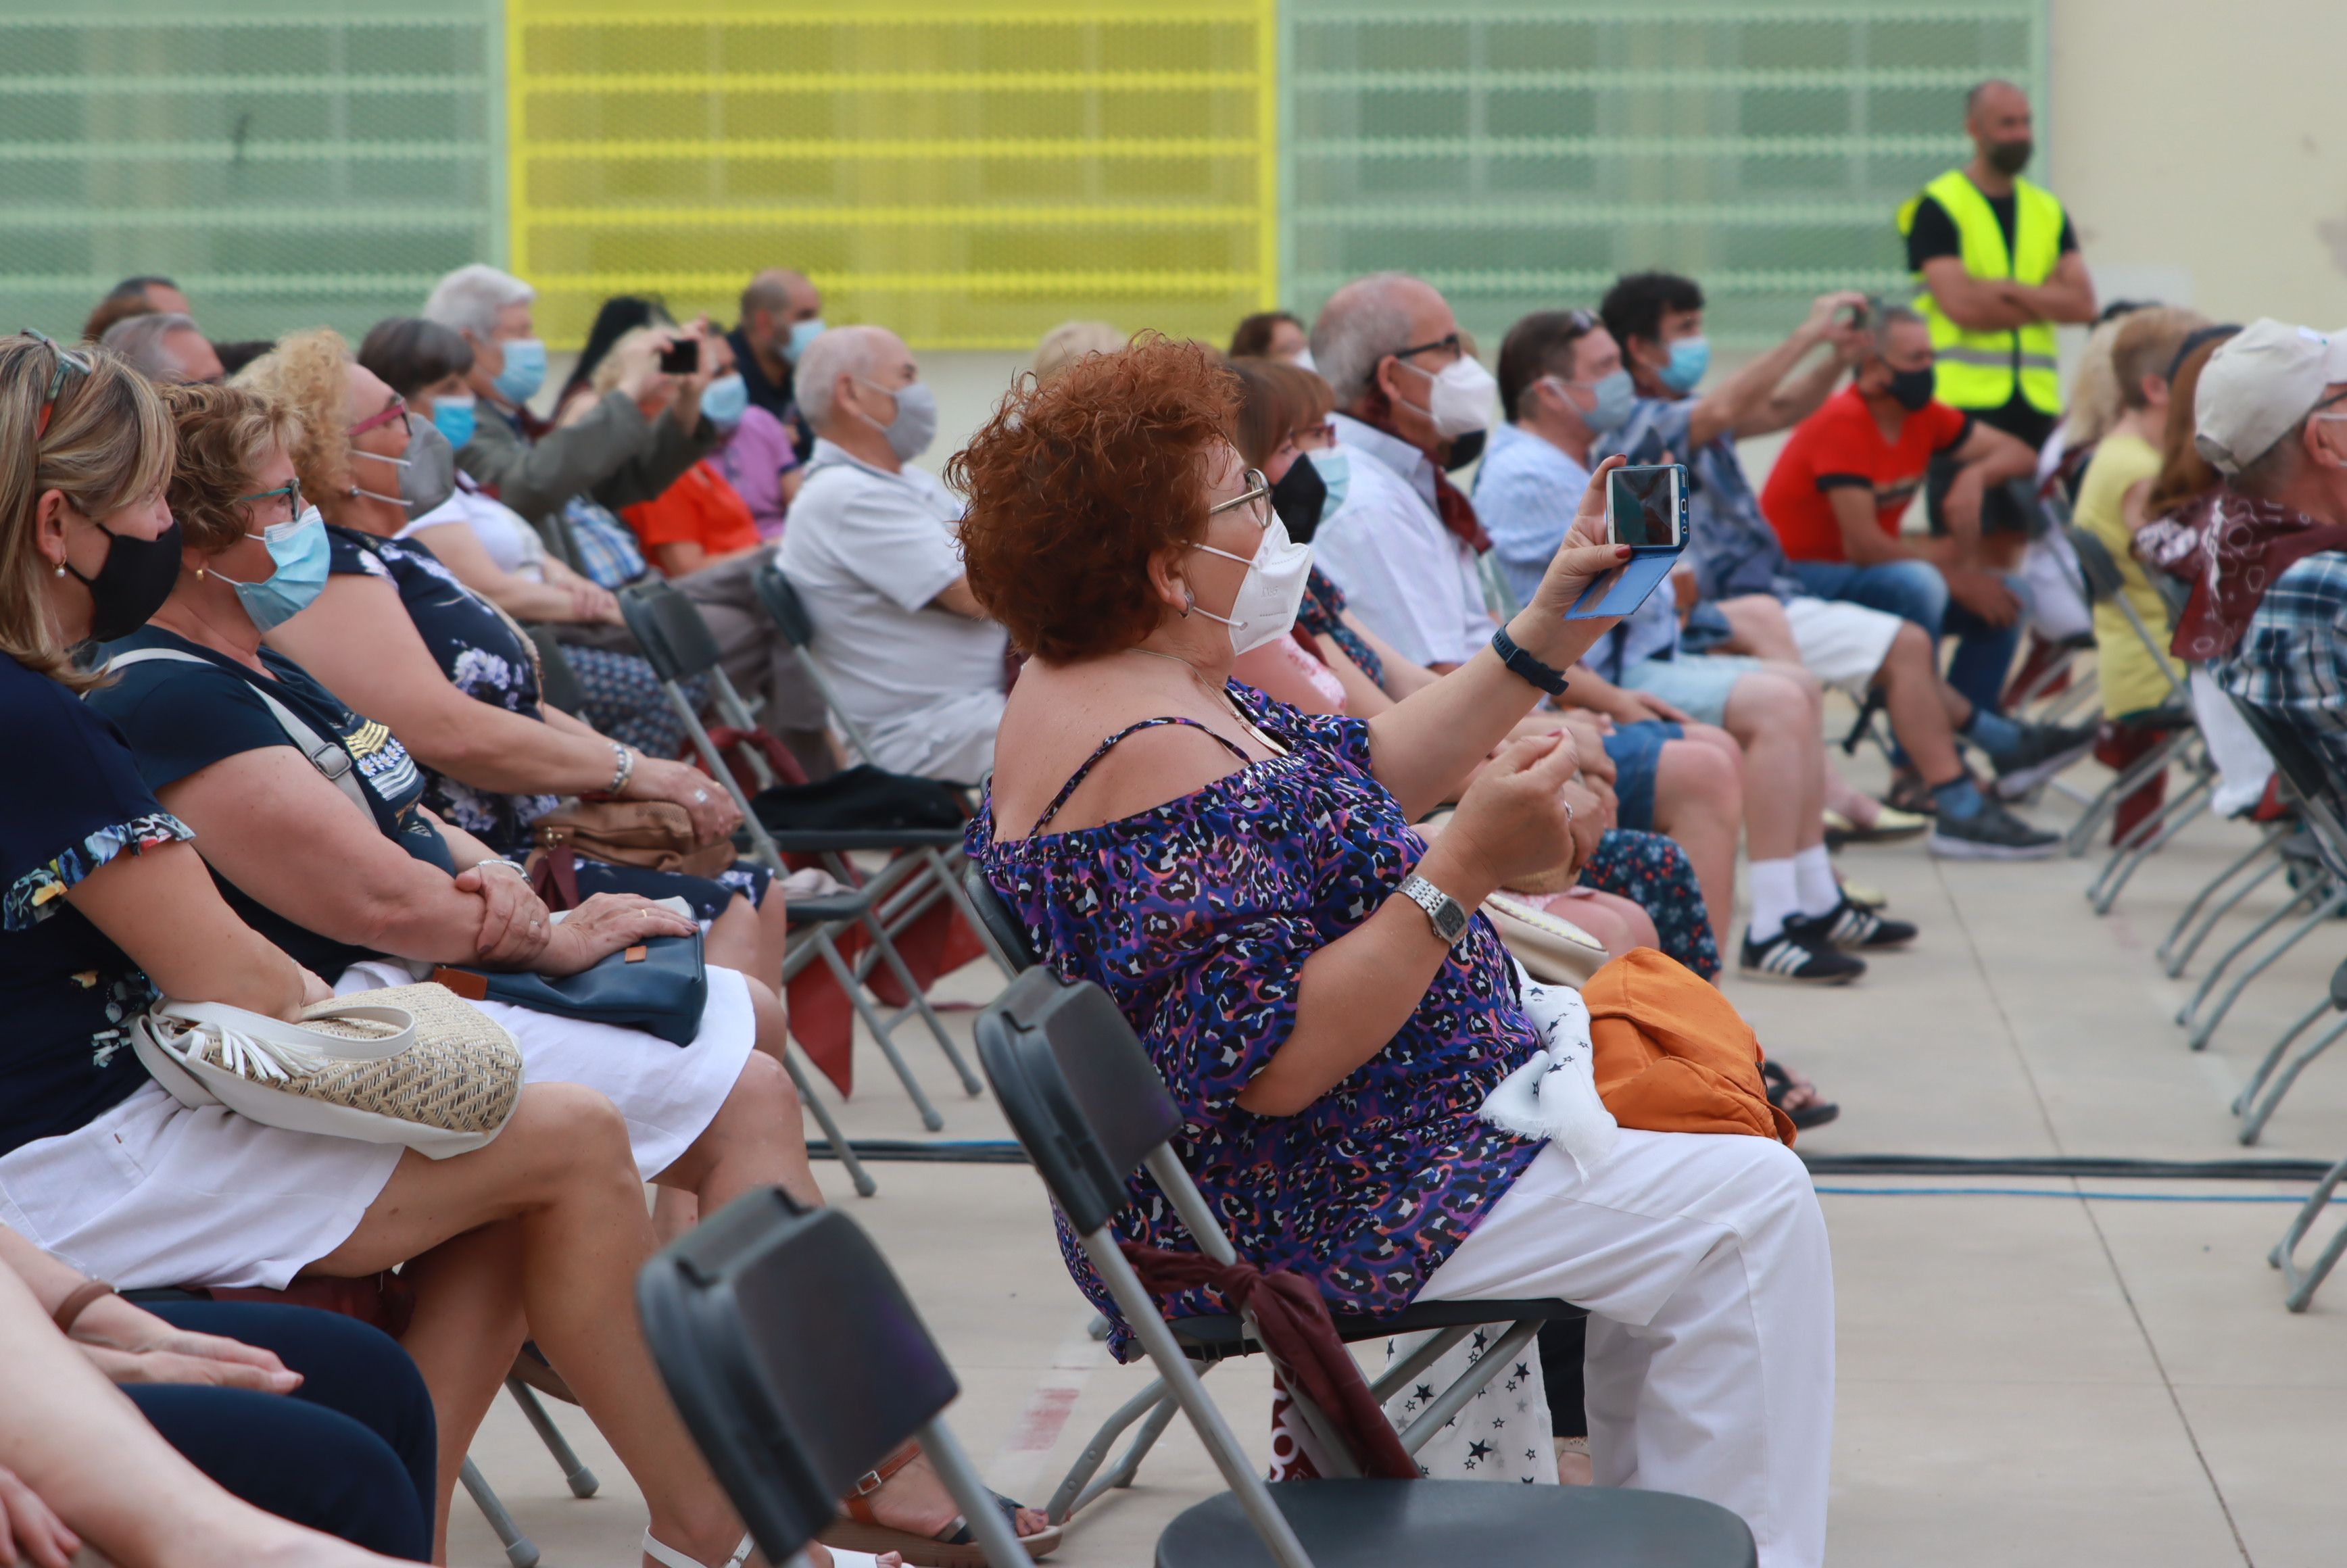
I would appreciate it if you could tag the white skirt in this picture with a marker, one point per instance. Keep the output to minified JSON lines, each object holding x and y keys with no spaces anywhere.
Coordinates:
{"x":153,"y":1193}
{"x":667,"y":1093}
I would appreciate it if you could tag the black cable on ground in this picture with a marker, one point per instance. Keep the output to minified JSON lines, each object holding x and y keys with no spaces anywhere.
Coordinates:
{"x":1002,"y":1151}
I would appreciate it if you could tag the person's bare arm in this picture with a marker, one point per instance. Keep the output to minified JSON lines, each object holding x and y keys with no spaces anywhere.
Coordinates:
{"x":1976,"y":304}
{"x":1863,"y":542}
{"x":2132,"y":514}
{"x":1403,"y":674}
{"x":1425,"y":743}
{"x":1791,"y":401}
{"x":461,"y":551}
{"x":679,"y":558}
{"x":1592,"y":692}
{"x":1364,"y":698}
{"x":1998,"y":456}
{"x":1739,"y":396}
{"x":161,"y":908}
{"x":2068,"y":295}
{"x":269,"y":823}
{"x":955,"y":598}
{"x":359,"y":643}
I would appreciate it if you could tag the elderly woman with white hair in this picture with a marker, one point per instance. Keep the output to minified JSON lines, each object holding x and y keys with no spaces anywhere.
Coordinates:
{"x":640,"y":436}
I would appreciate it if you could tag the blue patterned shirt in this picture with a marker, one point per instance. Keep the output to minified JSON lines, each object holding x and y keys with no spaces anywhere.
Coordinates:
{"x":2291,"y":663}
{"x":1729,"y":542}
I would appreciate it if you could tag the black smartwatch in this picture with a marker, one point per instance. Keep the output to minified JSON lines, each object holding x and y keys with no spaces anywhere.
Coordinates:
{"x":1524,"y":666}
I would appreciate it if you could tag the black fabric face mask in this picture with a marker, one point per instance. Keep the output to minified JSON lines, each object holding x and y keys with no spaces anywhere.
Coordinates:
{"x":2011,"y":157}
{"x":132,"y":584}
{"x":1298,"y":497}
{"x":1464,"y":449}
{"x":1913,"y":388}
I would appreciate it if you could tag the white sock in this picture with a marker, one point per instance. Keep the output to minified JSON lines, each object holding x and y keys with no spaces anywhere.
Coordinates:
{"x":1774,"y":897}
{"x":1819,"y":893}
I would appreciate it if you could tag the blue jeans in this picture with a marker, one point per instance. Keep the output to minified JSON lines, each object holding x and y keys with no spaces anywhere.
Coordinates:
{"x":1915,"y":590}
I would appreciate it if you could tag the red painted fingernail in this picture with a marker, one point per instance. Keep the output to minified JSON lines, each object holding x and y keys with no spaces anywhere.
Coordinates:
{"x":1623,"y":552}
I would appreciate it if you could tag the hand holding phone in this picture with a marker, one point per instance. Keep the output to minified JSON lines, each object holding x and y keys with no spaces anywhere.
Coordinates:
{"x":1645,"y":509}
{"x":681,"y":357}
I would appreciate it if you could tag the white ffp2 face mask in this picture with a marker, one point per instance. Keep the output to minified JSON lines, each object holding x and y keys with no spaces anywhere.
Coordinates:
{"x":1264,"y":609}
{"x":1461,"y":399}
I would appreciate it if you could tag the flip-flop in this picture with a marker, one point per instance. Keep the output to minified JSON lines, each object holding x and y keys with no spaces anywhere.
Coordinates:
{"x":1816,"y":1113}
{"x":956,"y":1546}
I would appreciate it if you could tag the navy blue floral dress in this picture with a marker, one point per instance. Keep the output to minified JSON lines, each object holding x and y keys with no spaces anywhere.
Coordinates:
{"x":1196,"y":917}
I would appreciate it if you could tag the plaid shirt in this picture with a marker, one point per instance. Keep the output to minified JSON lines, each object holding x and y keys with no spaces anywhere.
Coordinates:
{"x":2291,"y":663}
{"x":609,"y":555}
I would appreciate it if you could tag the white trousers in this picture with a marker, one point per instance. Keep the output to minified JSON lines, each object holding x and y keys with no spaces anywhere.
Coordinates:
{"x":1702,"y":1259}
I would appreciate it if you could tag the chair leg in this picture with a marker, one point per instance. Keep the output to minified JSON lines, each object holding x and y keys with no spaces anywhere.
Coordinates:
{"x":2256,"y":1121}
{"x":2185,"y":809}
{"x":865,"y":1185}
{"x":971,"y":1082}
{"x":2330,"y":905}
{"x":581,"y":1480}
{"x":2301,"y":1285}
{"x":992,"y":1527}
{"x":1075,"y":1489}
{"x":2174,"y":958}
{"x":520,"y":1549}
{"x":881,"y":1034}
{"x":2256,"y":934}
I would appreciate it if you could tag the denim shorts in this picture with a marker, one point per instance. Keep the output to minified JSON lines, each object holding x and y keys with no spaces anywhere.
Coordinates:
{"x":1637,"y":754}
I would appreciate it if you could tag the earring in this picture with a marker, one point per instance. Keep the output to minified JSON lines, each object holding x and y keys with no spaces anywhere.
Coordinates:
{"x":61,"y":568}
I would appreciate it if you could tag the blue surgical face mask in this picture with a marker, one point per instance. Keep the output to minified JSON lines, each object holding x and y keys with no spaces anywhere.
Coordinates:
{"x":726,"y":400}
{"x":1614,"y":392}
{"x":452,"y":415}
{"x":525,"y":369}
{"x":1336,"y":477}
{"x":803,"y":336}
{"x":299,"y":554}
{"x":1690,"y":357}
{"x":915,"y":424}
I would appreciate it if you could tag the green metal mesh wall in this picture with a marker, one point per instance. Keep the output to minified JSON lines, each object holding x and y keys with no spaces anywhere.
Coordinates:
{"x":287,"y":161}
{"x":1522,"y":155}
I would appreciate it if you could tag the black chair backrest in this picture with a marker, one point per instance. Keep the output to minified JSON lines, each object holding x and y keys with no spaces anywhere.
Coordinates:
{"x":794,"y":1357}
{"x":996,"y":917}
{"x":557,"y":682}
{"x":1080,"y":1093}
{"x":669,"y":629}
{"x":2325,"y":805}
{"x":783,"y":603}
{"x":2103,"y":576}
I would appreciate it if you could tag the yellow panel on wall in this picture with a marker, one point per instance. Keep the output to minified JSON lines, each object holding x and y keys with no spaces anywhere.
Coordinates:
{"x":968,"y":173}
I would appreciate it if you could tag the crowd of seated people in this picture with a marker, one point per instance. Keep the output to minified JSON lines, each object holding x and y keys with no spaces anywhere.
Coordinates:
{"x":1164,"y":598}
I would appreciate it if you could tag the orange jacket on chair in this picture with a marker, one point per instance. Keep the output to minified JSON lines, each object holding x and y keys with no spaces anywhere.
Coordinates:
{"x":1672,"y":1055}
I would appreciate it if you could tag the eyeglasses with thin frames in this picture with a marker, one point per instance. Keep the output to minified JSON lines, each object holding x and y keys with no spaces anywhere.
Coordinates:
{"x":291,"y":490}
{"x":1258,"y":488}
{"x":398,"y":410}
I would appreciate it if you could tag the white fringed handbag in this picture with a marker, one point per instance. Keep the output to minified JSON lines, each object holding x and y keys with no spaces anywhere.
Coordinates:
{"x":416,"y":1065}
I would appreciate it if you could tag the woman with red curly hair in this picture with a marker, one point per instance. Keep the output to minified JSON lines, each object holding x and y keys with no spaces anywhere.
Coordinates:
{"x":1343,"y":1033}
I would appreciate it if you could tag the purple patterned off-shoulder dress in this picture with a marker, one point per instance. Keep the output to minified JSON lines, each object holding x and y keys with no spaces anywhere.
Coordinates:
{"x":1196,"y":917}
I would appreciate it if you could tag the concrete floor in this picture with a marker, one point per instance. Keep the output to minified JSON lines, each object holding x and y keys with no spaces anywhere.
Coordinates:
{"x":2055,"y":1372}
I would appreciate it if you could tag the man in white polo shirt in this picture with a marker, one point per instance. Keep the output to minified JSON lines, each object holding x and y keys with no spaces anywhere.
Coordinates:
{"x":874,"y":549}
{"x":1409,"y":399}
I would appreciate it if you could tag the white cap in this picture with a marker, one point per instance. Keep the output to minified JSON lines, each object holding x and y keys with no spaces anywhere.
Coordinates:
{"x":2261,"y":381}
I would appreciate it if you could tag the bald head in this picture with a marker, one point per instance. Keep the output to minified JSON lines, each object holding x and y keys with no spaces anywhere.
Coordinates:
{"x":775,"y":300}
{"x":1997,"y":116}
{"x":871,"y":354}
{"x":1370,"y":318}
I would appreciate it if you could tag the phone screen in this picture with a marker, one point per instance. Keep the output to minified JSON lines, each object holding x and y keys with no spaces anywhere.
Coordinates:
{"x":1642,"y":507}
{"x":682,"y":357}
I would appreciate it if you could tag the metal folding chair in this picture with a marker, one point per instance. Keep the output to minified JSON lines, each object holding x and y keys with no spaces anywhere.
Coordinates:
{"x":789,"y":614}
{"x":1084,"y":1101}
{"x":2106,"y":584}
{"x":2199,"y":916}
{"x":798,"y":1365}
{"x":2320,"y":810}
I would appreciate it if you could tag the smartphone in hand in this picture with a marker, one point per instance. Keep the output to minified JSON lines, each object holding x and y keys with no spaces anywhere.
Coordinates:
{"x":1645,"y":509}
{"x":681,"y":357}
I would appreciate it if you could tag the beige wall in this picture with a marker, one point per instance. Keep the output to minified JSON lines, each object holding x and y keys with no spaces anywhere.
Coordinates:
{"x":2201,"y":148}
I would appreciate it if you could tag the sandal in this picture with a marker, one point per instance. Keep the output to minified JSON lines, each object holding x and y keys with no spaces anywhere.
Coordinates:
{"x":956,"y":1546}
{"x":1782,"y":1086}
{"x":670,"y":1557}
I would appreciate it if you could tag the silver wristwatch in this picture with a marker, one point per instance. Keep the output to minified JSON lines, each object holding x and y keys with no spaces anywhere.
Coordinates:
{"x":1443,"y":912}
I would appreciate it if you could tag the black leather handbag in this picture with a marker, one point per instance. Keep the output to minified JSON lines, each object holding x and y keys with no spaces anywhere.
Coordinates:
{"x":660,"y":987}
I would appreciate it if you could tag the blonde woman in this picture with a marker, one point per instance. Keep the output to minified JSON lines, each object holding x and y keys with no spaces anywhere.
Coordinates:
{"x":104,"y":904}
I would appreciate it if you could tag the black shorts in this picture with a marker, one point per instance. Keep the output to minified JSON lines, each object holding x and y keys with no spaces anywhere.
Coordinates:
{"x":2002,"y":511}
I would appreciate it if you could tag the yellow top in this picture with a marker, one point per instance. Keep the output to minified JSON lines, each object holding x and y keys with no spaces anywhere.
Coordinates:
{"x":2129,"y":673}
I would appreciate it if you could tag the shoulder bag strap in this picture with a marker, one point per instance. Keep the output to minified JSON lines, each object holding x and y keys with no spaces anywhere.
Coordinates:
{"x":327,"y":756}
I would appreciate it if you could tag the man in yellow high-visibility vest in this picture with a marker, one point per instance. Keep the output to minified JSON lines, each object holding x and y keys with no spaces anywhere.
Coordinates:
{"x":1997,"y":265}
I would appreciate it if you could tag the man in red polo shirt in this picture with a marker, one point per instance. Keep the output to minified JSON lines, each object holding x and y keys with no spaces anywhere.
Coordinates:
{"x":1846,"y":477}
